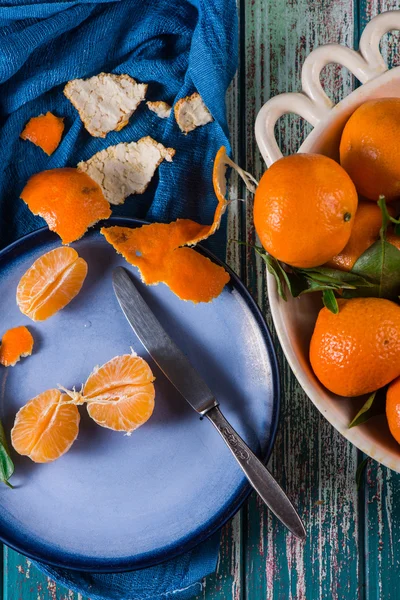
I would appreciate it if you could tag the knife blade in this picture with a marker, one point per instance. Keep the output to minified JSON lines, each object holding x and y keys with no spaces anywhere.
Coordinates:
{"x":180,"y":372}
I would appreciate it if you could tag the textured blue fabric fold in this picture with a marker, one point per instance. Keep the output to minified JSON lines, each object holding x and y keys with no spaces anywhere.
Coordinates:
{"x":177,"y":46}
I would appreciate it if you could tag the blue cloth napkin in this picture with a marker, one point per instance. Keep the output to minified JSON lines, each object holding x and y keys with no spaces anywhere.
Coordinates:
{"x":177,"y":46}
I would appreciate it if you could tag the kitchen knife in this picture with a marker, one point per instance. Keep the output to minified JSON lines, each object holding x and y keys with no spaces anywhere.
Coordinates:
{"x":177,"y":368}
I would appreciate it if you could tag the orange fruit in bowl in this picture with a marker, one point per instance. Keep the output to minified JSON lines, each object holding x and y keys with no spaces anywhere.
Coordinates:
{"x":304,"y":209}
{"x":46,"y":427}
{"x":357,"y":351}
{"x":370,"y":147}
{"x":51,"y":283}
{"x":393,"y":408}
{"x":365,"y":232}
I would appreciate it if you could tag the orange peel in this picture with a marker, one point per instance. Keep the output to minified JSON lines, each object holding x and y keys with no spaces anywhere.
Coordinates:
{"x":105,"y":102}
{"x":15,"y":344}
{"x":160,"y":108}
{"x":158,"y":250}
{"x":69,"y":201}
{"x":51,"y":283}
{"x":126,"y":168}
{"x":191,"y":112}
{"x":44,"y":131}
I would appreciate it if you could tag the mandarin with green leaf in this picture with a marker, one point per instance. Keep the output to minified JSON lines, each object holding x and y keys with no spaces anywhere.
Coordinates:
{"x":304,"y":209}
{"x":357,"y":351}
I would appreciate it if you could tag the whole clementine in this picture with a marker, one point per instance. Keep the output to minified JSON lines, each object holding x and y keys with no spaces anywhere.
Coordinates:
{"x":357,"y":351}
{"x":365,"y":232}
{"x":370,"y":146}
{"x":304,"y":209}
{"x":393,"y":408}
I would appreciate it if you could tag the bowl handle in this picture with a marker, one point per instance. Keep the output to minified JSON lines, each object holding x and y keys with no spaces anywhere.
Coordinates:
{"x":312,"y":103}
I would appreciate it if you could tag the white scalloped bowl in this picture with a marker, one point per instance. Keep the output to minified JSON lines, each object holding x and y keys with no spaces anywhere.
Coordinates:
{"x":294,"y":320}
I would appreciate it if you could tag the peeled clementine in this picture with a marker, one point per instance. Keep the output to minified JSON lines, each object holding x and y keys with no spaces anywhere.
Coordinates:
{"x":51,"y":283}
{"x":15,"y":344}
{"x":358,"y":350}
{"x":46,"y":427}
{"x":304,"y":209}
{"x":120,"y":394}
{"x":44,"y":131}
{"x":370,"y":146}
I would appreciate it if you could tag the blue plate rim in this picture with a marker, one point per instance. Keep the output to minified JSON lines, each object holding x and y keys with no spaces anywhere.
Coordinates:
{"x":228,"y":510}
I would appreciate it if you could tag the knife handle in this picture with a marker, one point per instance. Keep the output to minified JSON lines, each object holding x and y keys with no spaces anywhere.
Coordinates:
{"x":258,"y":475}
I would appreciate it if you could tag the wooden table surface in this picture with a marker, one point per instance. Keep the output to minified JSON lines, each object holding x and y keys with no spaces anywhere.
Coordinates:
{"x":352,"y":549}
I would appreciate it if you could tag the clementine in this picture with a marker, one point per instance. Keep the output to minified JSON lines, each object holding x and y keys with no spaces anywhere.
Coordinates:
{"x":365,"y":232}
{"x":370,"y":146}
{"x":357,"y":351}
{"x":51,"y":283}
{"x":46,"y":427}
{"x":304,"y":209}
{"x":393,"y":408}
{"x":120,"y":394}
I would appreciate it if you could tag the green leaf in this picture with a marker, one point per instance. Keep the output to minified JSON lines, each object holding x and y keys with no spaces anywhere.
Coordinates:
{"x":6,"y":464}
{"x":329,"y":300}
{"x":380,"y":263}
{"x":397,"y":229}
{"x":334,"y":279}
{"x":364,"y":413}
{"x":275,"y":270}
{"x":298,"y":283}
{"x":360,"y":472}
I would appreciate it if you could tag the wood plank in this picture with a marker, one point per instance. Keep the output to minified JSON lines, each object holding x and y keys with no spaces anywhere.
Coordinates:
{"x":22,"y":580}
{"x":381,"y":485}
{"x":314,"y":463}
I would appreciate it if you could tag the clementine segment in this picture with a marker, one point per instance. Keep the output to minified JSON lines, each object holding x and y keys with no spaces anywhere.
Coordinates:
{"x":304,"y":209}
{"x":370,"y":146}
{"x":69,"y":201}
{"x":46,"y":427}
{"x":44,"y":131}
{"x":120,"y":394}
{"x":15,"y":343}
{"x":393,"y":408}
{"x":51,"y":283}
{"x":358,"y":350}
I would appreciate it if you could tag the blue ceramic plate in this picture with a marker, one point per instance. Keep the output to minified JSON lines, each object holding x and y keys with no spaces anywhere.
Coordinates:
{"x":113,"y":502}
